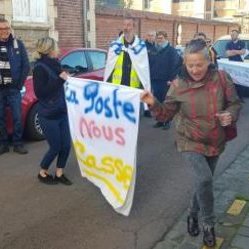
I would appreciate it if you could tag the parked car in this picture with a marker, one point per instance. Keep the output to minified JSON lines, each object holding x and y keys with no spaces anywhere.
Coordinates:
{"x":220,"y":46}
{"x":81,"y":63}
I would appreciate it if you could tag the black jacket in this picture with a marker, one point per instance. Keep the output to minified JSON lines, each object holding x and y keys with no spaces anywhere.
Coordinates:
{"x":164,"y":64}
{"x":48,"y":87}
{"x":18,"y":59}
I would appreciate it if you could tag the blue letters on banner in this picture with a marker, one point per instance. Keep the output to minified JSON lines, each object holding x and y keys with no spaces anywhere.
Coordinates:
{"x":110,"y":106}
{"x":71,"y":96}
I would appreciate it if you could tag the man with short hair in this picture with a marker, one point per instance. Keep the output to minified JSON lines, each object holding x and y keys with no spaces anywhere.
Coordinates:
{"x":14,"y":68}
{"x":165,"y":64}
{"x":234,"y":50}
{"x":127,"y":63}
{"x":150,"y":41}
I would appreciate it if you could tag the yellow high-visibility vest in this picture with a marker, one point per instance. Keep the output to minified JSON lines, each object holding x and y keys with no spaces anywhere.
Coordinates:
{"x":118,"y":71}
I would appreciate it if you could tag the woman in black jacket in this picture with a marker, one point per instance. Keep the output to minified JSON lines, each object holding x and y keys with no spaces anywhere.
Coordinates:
{"x":48,"y":86}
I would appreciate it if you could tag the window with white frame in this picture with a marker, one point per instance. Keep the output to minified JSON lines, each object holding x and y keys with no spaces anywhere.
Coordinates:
{"x":30,"y":10}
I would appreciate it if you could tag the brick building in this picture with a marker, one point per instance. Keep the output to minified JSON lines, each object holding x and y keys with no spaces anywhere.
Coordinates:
{"x":68,"y":21}
{"x":223,"y":10}
{"x":180,"y":29}
{"x":159,"y":6}
{"x":77,"y":23}
{"x":30,"y":19}
{"x":207,"y":9}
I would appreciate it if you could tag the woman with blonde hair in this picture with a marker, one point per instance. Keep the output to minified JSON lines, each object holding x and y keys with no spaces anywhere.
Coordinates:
{"x":48,"y":86}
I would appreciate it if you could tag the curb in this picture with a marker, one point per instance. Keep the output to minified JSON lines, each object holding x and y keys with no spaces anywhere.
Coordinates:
{"x":231,"y":192}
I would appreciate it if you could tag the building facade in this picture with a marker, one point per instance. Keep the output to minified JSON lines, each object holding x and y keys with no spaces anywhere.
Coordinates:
{"x":71,"y":23}
{"x":109,"y":22}
{"x":209,"y":9}
{"x":223,"y":10}
{"x":158,"y":6}
{"x":30,"y":20}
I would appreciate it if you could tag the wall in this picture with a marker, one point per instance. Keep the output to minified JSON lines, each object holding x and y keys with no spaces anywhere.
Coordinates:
{"x":161,"y":6}
{"x":69,"y":23}
{"x":183,"y":8}
{"x":109,"y":23}
{"x":64,"y":23}
{"x":91,"y":31}
{"x":27,"y":31}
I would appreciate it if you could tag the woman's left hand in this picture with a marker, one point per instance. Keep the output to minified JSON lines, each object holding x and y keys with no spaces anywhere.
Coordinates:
{"x":225,"y":118}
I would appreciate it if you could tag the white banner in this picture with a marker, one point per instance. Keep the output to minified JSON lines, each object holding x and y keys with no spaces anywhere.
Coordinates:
{"x":104,"y":121}
{"x":239,"y":71}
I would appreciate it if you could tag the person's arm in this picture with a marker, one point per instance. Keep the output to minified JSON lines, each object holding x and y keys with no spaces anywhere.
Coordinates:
{"x":24,"y":62}
{"x":43,"y":86}
{"x":236,"y":52}
{"x":232,"y":52}
{"x":162,"y":111}
{"x":242,"y":51}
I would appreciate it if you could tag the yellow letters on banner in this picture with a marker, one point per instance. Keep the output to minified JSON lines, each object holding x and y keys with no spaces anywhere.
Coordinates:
{"x":108,"y":165}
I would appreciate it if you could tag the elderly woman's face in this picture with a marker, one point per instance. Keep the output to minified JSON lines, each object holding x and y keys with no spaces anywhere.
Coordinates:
{"x":197,"y":65}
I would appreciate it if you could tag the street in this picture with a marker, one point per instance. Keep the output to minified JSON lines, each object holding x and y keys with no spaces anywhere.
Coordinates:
{"x":37,"y":216}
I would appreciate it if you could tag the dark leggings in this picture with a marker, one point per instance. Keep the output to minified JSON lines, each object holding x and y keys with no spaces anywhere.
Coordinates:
{"x":57,"y":134}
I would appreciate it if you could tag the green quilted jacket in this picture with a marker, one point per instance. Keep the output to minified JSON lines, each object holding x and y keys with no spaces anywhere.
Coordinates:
{"x":193,"y":106}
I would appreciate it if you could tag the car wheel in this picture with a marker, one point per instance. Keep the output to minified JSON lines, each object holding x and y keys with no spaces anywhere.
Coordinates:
{"x":33,"y":129}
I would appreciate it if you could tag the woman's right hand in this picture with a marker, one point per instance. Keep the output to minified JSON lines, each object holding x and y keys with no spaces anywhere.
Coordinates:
{"x":147,"y":97}
{"x":64,"y":75}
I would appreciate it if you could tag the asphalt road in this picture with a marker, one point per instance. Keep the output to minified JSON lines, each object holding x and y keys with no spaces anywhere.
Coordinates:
{"x":37,"y":216}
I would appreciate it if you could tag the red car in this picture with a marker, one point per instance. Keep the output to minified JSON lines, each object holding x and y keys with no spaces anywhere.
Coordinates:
{"x":82,"y":63}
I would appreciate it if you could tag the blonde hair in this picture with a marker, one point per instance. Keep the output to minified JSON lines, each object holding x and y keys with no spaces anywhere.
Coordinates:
{"x":44,"y":46}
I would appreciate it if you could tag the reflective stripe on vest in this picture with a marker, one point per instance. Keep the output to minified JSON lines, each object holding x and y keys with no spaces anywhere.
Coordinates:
{"x":118,"y":71}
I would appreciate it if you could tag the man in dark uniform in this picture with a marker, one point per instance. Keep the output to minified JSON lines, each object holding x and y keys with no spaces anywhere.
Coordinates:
{"x":235,"y":49}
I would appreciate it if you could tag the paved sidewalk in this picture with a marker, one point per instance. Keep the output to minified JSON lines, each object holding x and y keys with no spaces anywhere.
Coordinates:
{"x":231,"y":208}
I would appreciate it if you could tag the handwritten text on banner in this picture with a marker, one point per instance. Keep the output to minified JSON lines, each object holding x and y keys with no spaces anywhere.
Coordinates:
{"x":104,"y":122}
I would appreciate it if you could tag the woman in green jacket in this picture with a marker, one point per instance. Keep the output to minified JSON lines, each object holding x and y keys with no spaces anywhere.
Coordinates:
{"x":203,"y":101}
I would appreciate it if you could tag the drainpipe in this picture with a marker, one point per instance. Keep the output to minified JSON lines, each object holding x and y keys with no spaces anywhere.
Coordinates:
{"x":84,"y":24}
{"x":212,"y":9}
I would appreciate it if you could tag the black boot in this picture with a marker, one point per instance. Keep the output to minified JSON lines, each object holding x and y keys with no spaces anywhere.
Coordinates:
{"x":193,"y":226}
{"x":209,"y":238}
